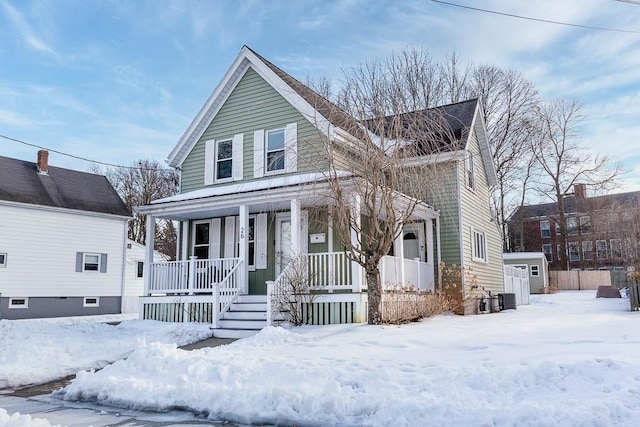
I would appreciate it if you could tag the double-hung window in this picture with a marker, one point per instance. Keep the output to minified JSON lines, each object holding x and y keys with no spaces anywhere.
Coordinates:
{"x":91,"y":262}
{"x":479,"y":246}
{"x":546,"y":249}
{"x":585,"y":224}
{"x":572,"y":226}
{"x":616,"y":248}
{"x":545,"y":229}
{"x":535,"y":270}
{"x":574,"y":251}
{"x":224,"y":159}
{"x":601,"y":249}
{"x":587,"y":250}
{"x":275,"y":150}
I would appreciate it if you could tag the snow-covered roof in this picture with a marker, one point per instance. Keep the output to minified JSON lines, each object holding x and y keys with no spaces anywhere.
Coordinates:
{"x":523,"y":255}
{"x":262,"y":184}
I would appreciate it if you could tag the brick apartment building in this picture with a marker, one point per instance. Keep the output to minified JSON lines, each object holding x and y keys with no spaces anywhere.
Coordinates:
{"x":603,"y":231}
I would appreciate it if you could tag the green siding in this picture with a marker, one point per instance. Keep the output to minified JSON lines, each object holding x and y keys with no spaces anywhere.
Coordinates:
{"x":254,"y":105}
{"x":476,"y":214}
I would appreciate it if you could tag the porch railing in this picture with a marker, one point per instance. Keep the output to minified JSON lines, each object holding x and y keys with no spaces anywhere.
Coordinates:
{"x":328,"y":271}
{"x":226,"y":292}
{"x":417,"y":274}
{"x":190,"y":276}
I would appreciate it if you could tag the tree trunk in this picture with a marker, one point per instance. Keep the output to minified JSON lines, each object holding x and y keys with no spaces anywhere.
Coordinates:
{"x":374,"y":294}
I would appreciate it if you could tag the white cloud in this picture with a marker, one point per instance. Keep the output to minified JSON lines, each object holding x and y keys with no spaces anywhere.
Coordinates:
{"x":25,"y":30}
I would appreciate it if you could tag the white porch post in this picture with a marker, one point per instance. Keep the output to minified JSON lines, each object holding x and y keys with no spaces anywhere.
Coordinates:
{"x":150,"y":242}
{"x":185,"y":240}
{"x":429,"y":242}
{"x":243,"y":239}
{"x":356,"y":269}
{"x":400,"y":249}
{"x":438,"y":253}
{"x":296,"y":228}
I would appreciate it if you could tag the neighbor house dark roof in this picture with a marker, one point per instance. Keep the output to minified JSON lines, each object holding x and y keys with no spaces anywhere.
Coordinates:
{"x":62,"y":188}
{"x":577,"y":204}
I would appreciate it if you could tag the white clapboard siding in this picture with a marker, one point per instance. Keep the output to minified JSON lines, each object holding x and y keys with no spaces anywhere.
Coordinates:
{"x":41,"y":247}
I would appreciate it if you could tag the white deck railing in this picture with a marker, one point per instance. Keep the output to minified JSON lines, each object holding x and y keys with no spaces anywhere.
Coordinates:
{"x":328,"y":271}
{"x":417,"y":274}
{"x":190,"y":276}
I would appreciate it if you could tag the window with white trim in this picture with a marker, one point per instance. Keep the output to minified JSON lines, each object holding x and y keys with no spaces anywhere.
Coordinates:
{"x":470,"y":171}
{"x":479,"y":246}
{"x":574,"y":251}
{"x":545,"y":229}
{"x":3,"y":260}
{"x":616,"y":248}
{"x":251,"y":262}
{"x":546,"y":250}
{"x":587,"y":250}
{"x":535,"y":270}
{"x":601,"y":249}
{"x":91,"y":302}
{"x":274,"y":145}
{"x":224,"y":160}
{"x":572,"y":226}
{"x":90,"y":262}
{"x":558,"y":231}
{"x":629,"y":249}
{"x":585,"y":224}
{"x":18,"y":302}
{"x":139,"y":269}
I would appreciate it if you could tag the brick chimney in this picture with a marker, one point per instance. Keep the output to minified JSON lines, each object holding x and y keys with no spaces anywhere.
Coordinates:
{"x":580,"y":191}
{"x":43,"y":162}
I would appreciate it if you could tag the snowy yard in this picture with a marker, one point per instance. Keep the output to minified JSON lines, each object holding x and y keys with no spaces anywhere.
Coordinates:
{"x":567,"y":360}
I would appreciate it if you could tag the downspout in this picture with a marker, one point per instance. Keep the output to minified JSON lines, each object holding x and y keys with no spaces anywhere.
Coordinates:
{"x":123,"y":273}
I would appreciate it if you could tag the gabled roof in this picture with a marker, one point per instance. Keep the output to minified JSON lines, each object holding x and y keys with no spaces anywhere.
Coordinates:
{"x":20,"y":182}
{"x":577,"y":205}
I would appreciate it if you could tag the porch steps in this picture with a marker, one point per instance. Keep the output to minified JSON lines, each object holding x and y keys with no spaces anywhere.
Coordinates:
{"x":245,"y":318}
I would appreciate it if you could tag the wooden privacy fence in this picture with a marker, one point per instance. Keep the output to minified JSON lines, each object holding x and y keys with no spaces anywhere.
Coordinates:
{"x":579,"y":280}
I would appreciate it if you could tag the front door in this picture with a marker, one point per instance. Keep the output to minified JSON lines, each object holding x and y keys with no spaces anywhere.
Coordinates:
{"x":413,"y":241}
{"x":284,"y":248}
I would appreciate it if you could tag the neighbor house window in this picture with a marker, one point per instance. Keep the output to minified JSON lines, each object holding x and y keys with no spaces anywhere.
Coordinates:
{"x":91,"y":302}
{"x":545,"y":229}
{"x":572,"y":226}
{"x":574,"y":251}
{"x":629,"y":249}
{"x":587,"y":251}
{"x":140,"y":269}
{"x":535,"y":270}
{"x":558,"y":231}
{"x":91,"y":262}
{"x":275,"y":150}
{"x":468,"y":162}
{"x":601,"y":249}
{"x":224,"y":159}
{"x":616,"y":248}
{"x":18,"y":302}
{"x":585,"y":224}
{"x":3,"y":260}
{"x":546,"y":249}
{"x":479,"y":246}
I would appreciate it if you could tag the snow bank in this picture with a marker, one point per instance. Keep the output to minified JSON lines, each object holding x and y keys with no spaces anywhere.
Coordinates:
{"x":567,"y":359}
{"x":18,"y":420}
{"x":36,"y":351}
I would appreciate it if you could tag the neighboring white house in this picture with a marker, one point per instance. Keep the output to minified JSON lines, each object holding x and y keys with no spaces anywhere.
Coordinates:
{"x":134,"y":275}
{"x":62,"y":241}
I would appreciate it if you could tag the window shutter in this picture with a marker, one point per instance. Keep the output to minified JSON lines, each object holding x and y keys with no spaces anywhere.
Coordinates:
{"x":229,"y":236}
{"x":209,"y":161}
{"x":103,"y":263}
{"x":78,"y":262}
{"x":261,"y":241}
{"x":291,"y":147}
{"x":237,"y":162}
{"x":214,"y":244}
{"x":258,"y":154}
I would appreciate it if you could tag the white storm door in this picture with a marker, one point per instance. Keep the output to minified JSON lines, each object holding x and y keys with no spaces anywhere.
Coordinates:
{"x":284,"y":251}
{"x":413,"y":241}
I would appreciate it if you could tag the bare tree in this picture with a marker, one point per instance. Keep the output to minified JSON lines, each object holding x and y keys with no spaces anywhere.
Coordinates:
{"x":564,"y":162}
{"x":140,"y":184}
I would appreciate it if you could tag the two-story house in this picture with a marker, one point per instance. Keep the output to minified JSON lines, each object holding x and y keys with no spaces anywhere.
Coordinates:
{"x":602,"y":231}
{"x":253,"y":173}
{"x":62,"y":241}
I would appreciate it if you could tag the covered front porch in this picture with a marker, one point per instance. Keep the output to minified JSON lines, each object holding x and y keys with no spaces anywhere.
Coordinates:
{"x":234,"y":244}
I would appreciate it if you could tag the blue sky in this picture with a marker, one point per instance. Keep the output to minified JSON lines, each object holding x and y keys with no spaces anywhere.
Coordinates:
{"x":120,"y":80}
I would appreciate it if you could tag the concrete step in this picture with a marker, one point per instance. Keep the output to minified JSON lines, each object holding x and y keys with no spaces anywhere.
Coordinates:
{"x":242,"y":324}
{"x":234,"y":333}
{"x":252,"y":298}
{"x":246,"y":315}
{"x":248,"y":306}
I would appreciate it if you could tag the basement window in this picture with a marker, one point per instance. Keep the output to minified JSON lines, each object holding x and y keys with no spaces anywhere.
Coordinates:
{"x":91,"y":302}
{"x":18,"y":302}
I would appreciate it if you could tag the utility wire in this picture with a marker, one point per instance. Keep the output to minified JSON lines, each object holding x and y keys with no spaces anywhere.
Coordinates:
{"x":535,"y":19}
{"x":79,"y":157}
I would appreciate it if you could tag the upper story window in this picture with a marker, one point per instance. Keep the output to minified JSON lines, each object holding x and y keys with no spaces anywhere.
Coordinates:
{"x":587,"y":250}
{"x":479,"y":246}
{"x":275,"y":150}
{"x":470,"y":172}
{"x":545,"y":229}
{"x":546,"y":250}
{"x":616,"y":248}
{"x":585,"y":224}
{"x":224,"y":159}
{"x":601,"y":249}
{"x":572,"y":226}
{"x":574,"y":251}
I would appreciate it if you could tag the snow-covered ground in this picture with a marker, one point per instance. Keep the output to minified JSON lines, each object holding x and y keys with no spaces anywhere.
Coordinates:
{"x":21,"y":420}
{"x":40,"y":350}
{"x":567,"y":360}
